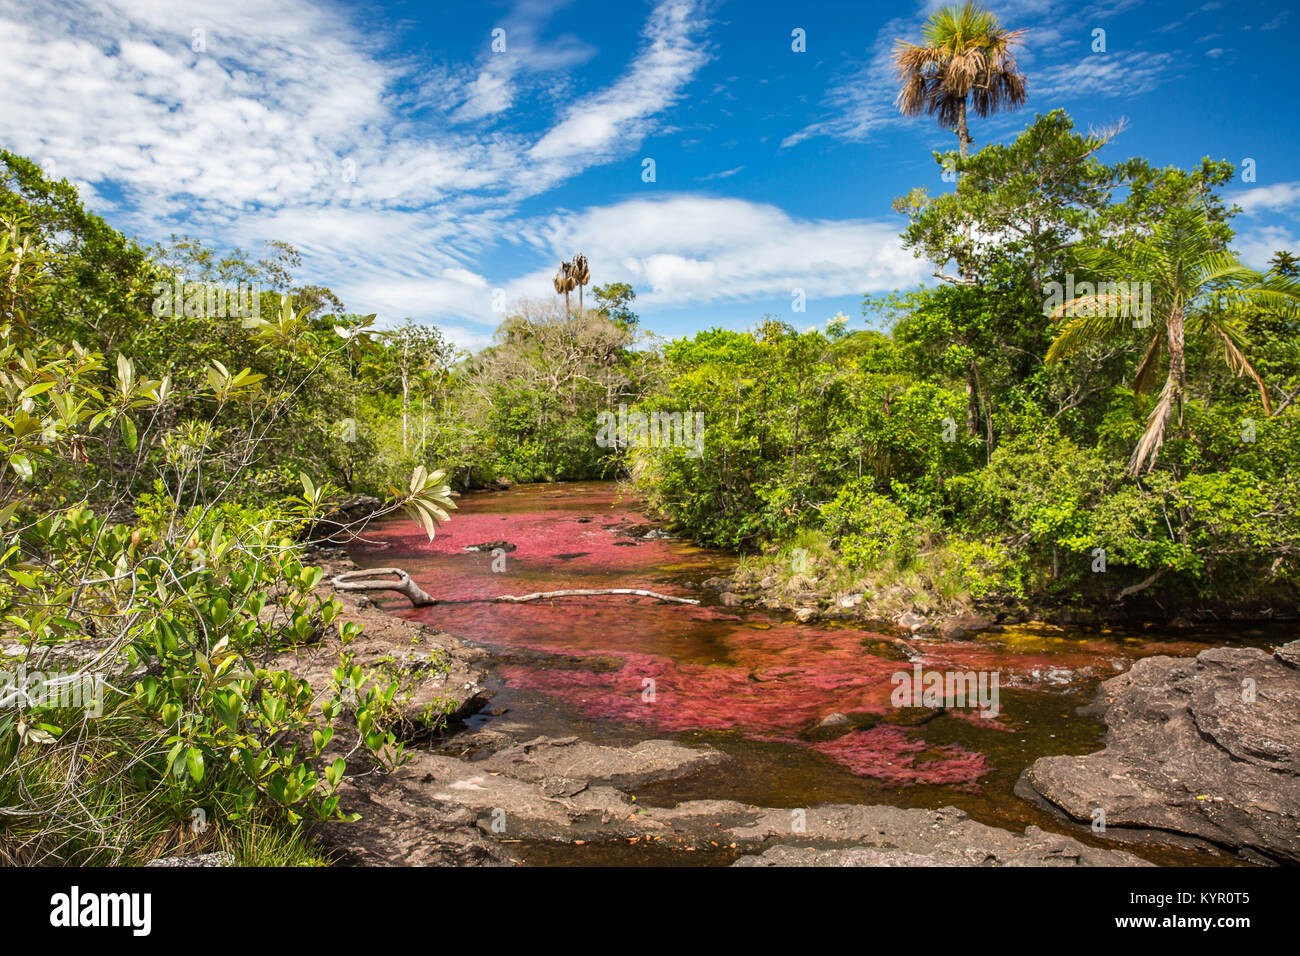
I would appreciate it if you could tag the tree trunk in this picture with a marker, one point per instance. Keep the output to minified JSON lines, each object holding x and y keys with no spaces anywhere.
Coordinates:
{"x":972,"y":402}
{"x":963,"y":132}
{"x":964,"y":141}
{"x":1177,"y":359}
{"x":1171,"y":399}
{"x":405,"y":403}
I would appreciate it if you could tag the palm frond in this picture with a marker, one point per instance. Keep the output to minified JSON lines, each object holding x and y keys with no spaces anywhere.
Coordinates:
{"x":1081,"y":331}
{"x":1153,"y":437}
{"x":1236,"y":359}
{"x":1147,"y":368}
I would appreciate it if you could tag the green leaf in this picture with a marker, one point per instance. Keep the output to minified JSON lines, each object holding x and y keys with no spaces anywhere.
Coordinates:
{"x":129,"y":434}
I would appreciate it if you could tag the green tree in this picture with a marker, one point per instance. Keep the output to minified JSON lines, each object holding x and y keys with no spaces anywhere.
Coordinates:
{"x":614,"y":301}
{"x":966,"y":59}
{"x":1196,"y":288}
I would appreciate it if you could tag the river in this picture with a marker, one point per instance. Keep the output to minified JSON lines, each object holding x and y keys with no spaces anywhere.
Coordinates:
{"x":751,"y":682}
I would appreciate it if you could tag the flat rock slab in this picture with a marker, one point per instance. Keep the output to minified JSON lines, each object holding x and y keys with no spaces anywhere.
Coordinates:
{"x":1207,"y":747}
{"x":441,"y":808}
{"x":218,"y":858}
{"x":567,"y":757}
{"x":854,"y":835}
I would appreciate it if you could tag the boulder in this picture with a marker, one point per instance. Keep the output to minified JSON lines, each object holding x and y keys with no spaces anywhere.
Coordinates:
{"x":1205,"y":747}
{"x":910,"y":621}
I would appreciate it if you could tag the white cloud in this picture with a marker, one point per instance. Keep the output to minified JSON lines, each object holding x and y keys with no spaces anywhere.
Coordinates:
{"x":1256,"y":248}
{"x":523,"y":61}
{"x":614,"y":121}
{"x":1130,"y":73}
{"x":1267,"y":198}
{"x":685,"y":249}
{"x":292,"y":122}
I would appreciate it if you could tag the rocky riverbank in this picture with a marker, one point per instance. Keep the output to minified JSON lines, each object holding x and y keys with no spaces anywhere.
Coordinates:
{"x":1204,"y":749}
{"x":913,"y":613}
{"x":477,"y":796}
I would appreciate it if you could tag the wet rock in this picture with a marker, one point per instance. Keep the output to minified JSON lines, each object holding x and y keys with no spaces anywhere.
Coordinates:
{"x":835,"y":720}
{"x":358,"y":506}
{"x":1289,"y":654}
{"x":909,"y":621}
{"x":963,"y":625}
{"x":844,"y":835}
{"x":577,"y":760}
{"x":562,"y":786}
{"x":1190,"y":752}
{"x":805,"y":615}
{"x":713,"y":583}
{"x":730,"y":599}
{"x":439,"y":809}
{"x":857,"y":856}
{"x":218,"y":858}
{"x":492,"y":546}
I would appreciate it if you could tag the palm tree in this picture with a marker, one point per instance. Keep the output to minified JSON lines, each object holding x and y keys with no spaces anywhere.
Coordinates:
{"x":581,"y":275}
{"x":966,"y":56}
{"x":1196,"y":289}
{"x":564,"y":283}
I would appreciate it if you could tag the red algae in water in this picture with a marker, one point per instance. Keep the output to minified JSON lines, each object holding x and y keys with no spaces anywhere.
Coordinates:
{"x":707,"y":666}
{"x":888,"y":754}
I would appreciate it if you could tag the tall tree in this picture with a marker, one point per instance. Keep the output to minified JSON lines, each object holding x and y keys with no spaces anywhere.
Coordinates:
{"x":1196,"y":288}
{"x":581,"y":275}
{"x":564,"y":283}
{"x":966,"y":59}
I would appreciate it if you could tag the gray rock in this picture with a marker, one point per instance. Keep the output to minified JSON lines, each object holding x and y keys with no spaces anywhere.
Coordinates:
{"x":218,"y":858}
{"x":1289,"y":654}
{"x":1188,"y":751}
{"x":909,"y":621}
{"x":844,"y":835}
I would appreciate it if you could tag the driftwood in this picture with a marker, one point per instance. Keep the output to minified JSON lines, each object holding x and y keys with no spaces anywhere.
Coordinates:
{"x":582,"y":592}
{"x":351,"y":581}
{"x":355,"y":581}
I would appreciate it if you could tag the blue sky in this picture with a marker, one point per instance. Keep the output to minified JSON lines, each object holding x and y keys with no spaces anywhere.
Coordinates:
{"x":424,"y":174}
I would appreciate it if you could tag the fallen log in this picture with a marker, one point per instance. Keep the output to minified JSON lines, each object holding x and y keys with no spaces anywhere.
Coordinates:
{"x":355,"y":581}
{"x":583,"y":592}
